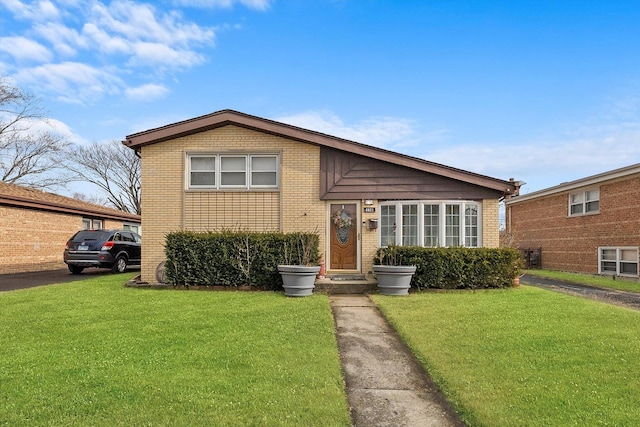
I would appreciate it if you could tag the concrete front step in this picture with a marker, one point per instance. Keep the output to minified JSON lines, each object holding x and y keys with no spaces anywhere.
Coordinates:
{"x":329,"y":286}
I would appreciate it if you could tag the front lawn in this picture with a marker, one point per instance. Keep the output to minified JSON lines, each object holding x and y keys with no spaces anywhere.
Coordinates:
{"x":96,"y":353}
{"x":611,"y":282}
{"x":525,"y":356}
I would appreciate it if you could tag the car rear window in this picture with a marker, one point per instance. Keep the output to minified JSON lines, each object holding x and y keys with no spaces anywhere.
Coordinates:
{"x":83,"y":236}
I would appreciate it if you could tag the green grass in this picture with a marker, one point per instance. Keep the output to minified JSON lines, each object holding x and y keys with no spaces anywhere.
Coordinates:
{"x":610,"y":282}
{"x":525,"y":356}
{"x":96,"y":353}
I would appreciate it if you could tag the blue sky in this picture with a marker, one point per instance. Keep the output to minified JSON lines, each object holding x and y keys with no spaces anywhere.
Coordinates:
{"x":541,"y":91}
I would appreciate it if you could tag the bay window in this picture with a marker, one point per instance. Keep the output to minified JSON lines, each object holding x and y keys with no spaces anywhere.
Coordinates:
{"x":452,"y":225}
{"x":387,"y":225}
{"x":409,"y":225}
{"x":430,"y":224}
{"x":431,"y":221}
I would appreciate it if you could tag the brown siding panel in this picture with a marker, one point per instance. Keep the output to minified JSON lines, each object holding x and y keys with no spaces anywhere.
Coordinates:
{"x":352,"y":176}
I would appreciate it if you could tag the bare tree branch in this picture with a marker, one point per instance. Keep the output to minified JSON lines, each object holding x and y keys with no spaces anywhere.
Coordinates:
{"x":113,"y":168}
{"x":28,"y":156}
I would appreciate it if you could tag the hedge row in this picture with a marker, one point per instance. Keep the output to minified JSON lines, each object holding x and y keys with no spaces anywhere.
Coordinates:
{"x":235,"y":258}
{"x":456,"y":268}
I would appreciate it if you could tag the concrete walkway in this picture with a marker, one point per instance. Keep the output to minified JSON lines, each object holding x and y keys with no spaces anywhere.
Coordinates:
{"x":385,"y":384}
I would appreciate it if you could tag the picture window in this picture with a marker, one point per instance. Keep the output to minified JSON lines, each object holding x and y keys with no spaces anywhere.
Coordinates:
{"x":232,"y":171}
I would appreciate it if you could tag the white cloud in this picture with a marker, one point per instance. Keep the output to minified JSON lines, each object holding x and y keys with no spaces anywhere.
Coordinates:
{"x":75,"y":82}
{"x":156,"y":54}
{"x":41,"y":11}
{"x":64,"y":40}
{"x":135,"y":35}
{"x":133,"y":22}
{"x":547,"y":163}
{"x":24,"y":49}
{"x":386,"y":132}
{"x":226,"y":4}
{"x":63,"y":130}
{"x":147,"y":92}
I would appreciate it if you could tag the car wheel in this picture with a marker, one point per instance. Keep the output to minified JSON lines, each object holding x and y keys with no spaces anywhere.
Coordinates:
{"x":120,"y":265}
{"x":74,"y":269}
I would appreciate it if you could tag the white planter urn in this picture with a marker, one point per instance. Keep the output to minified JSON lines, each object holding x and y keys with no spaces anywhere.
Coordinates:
{"x":298,"y":280}
{"x":394,"y":279}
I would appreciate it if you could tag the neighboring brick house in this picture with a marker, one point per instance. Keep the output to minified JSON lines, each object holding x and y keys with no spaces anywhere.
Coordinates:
{"x":35,"y":226}
{"x":591,"y":225}
{"x":230,"y":169}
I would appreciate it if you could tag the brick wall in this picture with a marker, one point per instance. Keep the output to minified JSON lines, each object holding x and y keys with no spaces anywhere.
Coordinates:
{"x":166,"y":206}
{"x":34,"y":240}
{"x":571,"y":243}
{"x":490,"y":223}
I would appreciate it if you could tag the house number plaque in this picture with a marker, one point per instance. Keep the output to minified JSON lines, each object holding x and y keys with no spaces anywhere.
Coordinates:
{"x":369,"y":210}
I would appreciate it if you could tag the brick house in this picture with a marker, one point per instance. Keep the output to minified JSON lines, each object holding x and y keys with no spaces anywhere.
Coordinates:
{"x":590,"y":225}
{"x":35,"y":226}
{"x":229,"y":169}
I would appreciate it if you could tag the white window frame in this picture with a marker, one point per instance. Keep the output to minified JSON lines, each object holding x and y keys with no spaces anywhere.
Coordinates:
{"x":441,"y":220}
{"x":221,"y":172}
{"x":618,"y":260}
{"x":216,"y":167}
{"x":92,"y":223}
{"x":586,"y":199}
{"x":251,"y":170}
{"x":248,"y":184}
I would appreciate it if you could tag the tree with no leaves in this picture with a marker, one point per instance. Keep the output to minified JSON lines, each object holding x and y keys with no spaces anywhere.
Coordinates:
{"x":113,"y":168}
{"x":28,"y":156}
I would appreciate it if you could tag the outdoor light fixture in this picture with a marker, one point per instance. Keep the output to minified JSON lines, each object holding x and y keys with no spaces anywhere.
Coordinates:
{"x":368,"y":202}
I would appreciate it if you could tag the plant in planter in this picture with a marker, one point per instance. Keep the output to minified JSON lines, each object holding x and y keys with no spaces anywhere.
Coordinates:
{"x":393,"y":277}
{"x":301,"y":264}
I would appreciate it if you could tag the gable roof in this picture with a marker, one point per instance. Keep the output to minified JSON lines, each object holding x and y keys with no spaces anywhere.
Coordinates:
{"x":18,"y":196}
{"x":230,"y":117}
{"x":579,"y":183}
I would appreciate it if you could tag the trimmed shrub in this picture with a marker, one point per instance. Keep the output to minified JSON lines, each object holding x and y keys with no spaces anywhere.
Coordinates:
{"x":235,"y":258}
{"x":456,"y":268}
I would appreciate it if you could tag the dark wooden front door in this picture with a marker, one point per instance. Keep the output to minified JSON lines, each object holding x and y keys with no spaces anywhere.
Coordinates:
{"x":344,"y":237}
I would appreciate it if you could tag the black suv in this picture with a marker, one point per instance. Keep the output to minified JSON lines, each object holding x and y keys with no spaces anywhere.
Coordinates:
{"x":114,"y":249}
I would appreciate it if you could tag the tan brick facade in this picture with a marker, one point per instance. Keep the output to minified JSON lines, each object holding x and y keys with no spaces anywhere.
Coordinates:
{"x":571,"y":243}
{"x":168,"y":206}
{"x":490,"y":223}
{"x":34,"y":240}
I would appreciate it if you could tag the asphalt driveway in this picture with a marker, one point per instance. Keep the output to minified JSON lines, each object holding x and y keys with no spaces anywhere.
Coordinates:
{"x":10,"y":282}
{"x":611,"y":296}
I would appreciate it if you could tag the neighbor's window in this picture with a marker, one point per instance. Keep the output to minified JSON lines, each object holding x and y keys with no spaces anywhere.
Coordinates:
{"x":131,"y":227}
{"x":429,"y":223}
{"x":91,"y":224}
{"x":584,"y":202}
{"x":618,"y":261}
{"x":231,"y":171}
